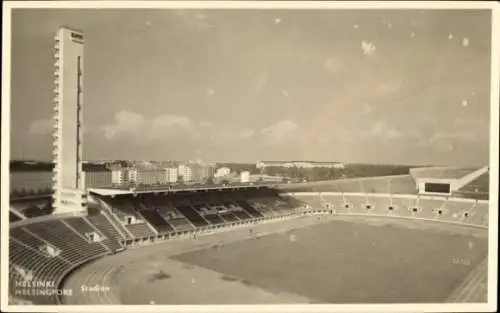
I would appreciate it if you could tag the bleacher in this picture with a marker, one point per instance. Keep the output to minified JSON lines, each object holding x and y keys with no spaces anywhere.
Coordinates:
{"x":249,"y":209}
{"x":180,"y":224}
{"x":476,"y":189}
{"x":47,"y":249}
{"x":156,"y":220}
{"x":402,"y":184}
{"x":26,"y":261}
{"x":105,"y":226}
{"x":180,"y":214}
{"x":430,"y":208}
{"x":196,"y":219}
{"x":139,"y":230}
{"x":59,"y":235}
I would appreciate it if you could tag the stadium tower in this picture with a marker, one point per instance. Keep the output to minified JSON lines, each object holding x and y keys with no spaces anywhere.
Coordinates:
{"x":69,"y":192}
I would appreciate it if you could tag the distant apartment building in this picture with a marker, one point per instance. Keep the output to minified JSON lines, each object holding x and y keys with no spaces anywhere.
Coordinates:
{"x":245,"y":177}
{"x":201,"y":172}
{"x":132,"y":175}
{"x":119,"y":176}
{"x":171,"y":174}
{"x":299,"y":164}
{"x":150,"y":177}
{"x":95,"y":179}
{"x":185,"y":172}
{"x":222,"y":171}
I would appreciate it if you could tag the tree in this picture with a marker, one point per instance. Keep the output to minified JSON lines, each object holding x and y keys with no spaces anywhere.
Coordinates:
{"x":14,"y":193}
{"x":210,"y":181}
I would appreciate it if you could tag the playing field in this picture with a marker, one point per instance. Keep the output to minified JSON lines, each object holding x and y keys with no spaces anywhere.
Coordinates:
{"x":344,"y":262}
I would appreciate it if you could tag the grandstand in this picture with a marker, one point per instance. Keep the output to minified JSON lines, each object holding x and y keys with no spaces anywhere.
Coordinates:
{"x":125,"y":220}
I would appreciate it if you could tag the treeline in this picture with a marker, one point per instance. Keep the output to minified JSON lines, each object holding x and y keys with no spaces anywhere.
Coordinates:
{"x":349,"y":171}
{"x":240,"y":167}
{"x":27,"y":166}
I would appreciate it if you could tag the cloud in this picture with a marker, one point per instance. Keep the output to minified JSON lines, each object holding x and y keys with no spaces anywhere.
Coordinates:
{"x":280,"y":132}
{"x":465,"y":42}
{"x":285,"y":93}
{"x":389,"y":87}
{"x":229,"y":135}
{"x":332,"y":65}
{"x":206,"y":124}
{"x":172,"y":129}
{"x":261,"y":81}
{"x":277,"y":20}
{"x":367,"y":109}
{"x":368,"y":48}
{"x":41,"y":127}
{"x":450,"y":36}
{"x":128,"y":123}
{"x":124,"y":122}
{"x":387,"y":23}
{"x":381,"y":129}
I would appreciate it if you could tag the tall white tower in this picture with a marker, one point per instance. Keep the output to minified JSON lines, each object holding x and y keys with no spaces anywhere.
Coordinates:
{"x":68,"y":185}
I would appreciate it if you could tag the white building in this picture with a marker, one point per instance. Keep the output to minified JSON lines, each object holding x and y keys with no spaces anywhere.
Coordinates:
{"x":221,"y":172}
{"x":185,"y":172}
{"x":245,"y":177}
{"x":118,"y":176}
{"x":171,"y":174}
{"x":132,"y":175}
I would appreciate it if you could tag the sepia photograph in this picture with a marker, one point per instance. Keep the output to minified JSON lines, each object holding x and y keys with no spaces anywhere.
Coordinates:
{"x":299,"y":156}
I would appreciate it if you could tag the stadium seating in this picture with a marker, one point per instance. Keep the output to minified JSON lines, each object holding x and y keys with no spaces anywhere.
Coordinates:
{"x":180,"y":224}
{"x":139,"y":230}
{"x":25,"y":260}
{"x":83,"y":226}
{"x":403,"y":184}
{"x":476,"y":189}
{"x":380,"y":205}
{"x":156,"y":220}
{"x":59,"y":235}
{"x":182,"y":215}
{"x":350,"y":185}
{"x":249,"y":209}
{"x":229,"y":217}
{"x":47,"y":249}
{"x":196,"y":219}
{"x":109,"y":230}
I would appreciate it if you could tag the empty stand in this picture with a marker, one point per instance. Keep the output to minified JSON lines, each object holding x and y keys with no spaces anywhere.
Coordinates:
{"x":196,"y":219}
{"x":70,"y":243}
{"x":402,"y":185}
{"x":249,"y":209}
{"x":157,"y":221}
{"x":139,"y":230}
{"x":180,"y":224}
{"x":229,"y":217}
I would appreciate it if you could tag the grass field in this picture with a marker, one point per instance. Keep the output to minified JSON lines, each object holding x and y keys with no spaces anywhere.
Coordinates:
{"x":343,"y":262}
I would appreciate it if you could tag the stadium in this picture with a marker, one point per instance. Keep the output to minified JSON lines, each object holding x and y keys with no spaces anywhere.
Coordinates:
{"x":416,"y":238}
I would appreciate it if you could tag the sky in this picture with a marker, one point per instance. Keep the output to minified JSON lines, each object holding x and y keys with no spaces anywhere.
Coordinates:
{"x":369,"y":86}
